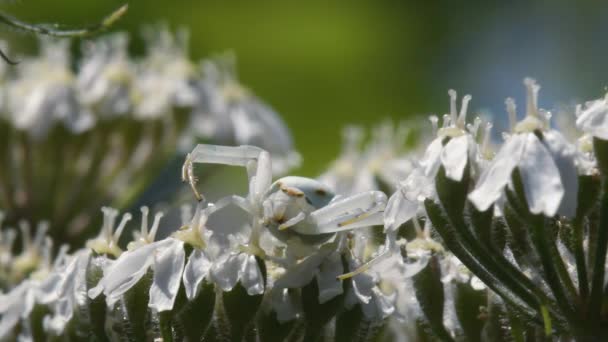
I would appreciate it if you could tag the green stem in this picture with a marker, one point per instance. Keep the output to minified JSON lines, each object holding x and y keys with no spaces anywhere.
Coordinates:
{"x":548,"y":261}
{"x":47,"y":31}
{"x":597,"y":283}
{"x":581,"y":264}
{"x":513,"y":294}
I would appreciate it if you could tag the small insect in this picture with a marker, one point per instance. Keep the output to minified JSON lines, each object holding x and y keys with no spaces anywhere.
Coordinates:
{"x":59,"y":33}
{"x":296,"y":210}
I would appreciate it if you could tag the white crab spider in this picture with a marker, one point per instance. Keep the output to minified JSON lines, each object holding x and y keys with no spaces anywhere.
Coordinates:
{"x":293,"y":209}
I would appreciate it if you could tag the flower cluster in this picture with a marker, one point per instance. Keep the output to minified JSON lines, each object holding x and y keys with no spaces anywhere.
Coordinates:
{"x":453,"y":241}
{"x":78,"y":134}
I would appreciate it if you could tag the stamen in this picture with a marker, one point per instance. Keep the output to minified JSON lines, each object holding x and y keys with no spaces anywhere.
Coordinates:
{"x":532,"y":97}
{"x":43,"y":228}
{"x":26,"y":239}
{"x":511,"y":110}
{"x":155,"y":226}
{"x":144,"y":220}
{"x":446,"y":121}
{"x":463,"y":111}
{"x":474,"y":127}
{"x":485,"y":145}
{"x":125,"y":218}
{"x":453,"y":111}
{"x":434,"y":120}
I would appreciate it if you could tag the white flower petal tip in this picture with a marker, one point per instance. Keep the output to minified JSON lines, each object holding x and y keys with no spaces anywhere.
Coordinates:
{"x":593,"y":120}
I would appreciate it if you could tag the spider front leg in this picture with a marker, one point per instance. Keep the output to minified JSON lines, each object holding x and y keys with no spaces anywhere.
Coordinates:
{"x":256,"y":160}
{"x":361,"y":210}
{"x":353,"y":212}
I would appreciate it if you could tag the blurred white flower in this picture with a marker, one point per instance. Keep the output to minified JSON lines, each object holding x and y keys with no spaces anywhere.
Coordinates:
{"x":106,"y":75}
{"x":44,"y":93}
{"x":233,"y":114}
{"x":166,"y":78}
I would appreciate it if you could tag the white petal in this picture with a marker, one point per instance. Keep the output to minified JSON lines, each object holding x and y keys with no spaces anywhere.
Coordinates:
{"x":399,"y":210}
{"x":302,"y":273}
{"x":594,"y":119}
{"x":225,"y":271}
{"x":125,"y":272}
{"x":454,"y":157}
{"x":327,"y":278}
{"x":251,"y":277}
{"x":540,"y":177}
{"x":432,"y":158}
{"x":498,"y":174}
{"x":197,"y":268}
{"x":563,"y":154}
{"x":168,"y":268}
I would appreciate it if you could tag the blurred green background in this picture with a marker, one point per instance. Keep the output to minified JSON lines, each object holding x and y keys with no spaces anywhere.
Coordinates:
{"x":324,"y":64}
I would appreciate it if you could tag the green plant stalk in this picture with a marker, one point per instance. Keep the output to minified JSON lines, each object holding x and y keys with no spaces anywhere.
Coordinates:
{"x":581,"y":264}
{"x":548,"y":261}
{"x":597,"y":282}
{"x":526,"y":303}
{"x":493,"y":262}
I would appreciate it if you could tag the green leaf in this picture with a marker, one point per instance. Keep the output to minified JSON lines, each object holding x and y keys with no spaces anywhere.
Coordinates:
{"x":195,"y":317}
{"x":317,"y":315}
{"x":429,"y":292}
{"x":468,"y":302}
{"x":136,"y":308}
{"x":96,"y":307}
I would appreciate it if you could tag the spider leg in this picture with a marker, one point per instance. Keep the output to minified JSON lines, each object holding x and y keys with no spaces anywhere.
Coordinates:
{"x":292,"y":221}
{"x":256,"y":160}
{"x":366,"y":266}
{"x":357,"y":211}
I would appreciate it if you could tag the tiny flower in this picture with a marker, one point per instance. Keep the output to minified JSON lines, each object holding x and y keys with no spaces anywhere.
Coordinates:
{"x":107,"y":241}
{"x":325,"y":265}
{"x":166,"y":78}
{"x":408,"y":201}
{"x":105,"y":77}
{"x":380,"y":163}
{"x":593,"y":120}
{"x":458,"y":151}
{"x":166,"y":257}
{"x":544,"y":159}
{"x":45,"y":93}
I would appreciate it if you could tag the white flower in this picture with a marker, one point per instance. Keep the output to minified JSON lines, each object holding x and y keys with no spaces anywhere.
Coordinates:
{"x":166,"y":257}
{"x":357,"y":170}
{"x":165,"y":79}
{"x":106,"y":75}
{"x":107,"y":241}
{"x":325,"y":265}
{"x":44,"y":93}
{"x":71,"y":291}
{"x":408,"y":201}
{"x":459,"y":150}
{"x":233,"y":268}
{"x":593,"y":119}
{"x":546,"y":165}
